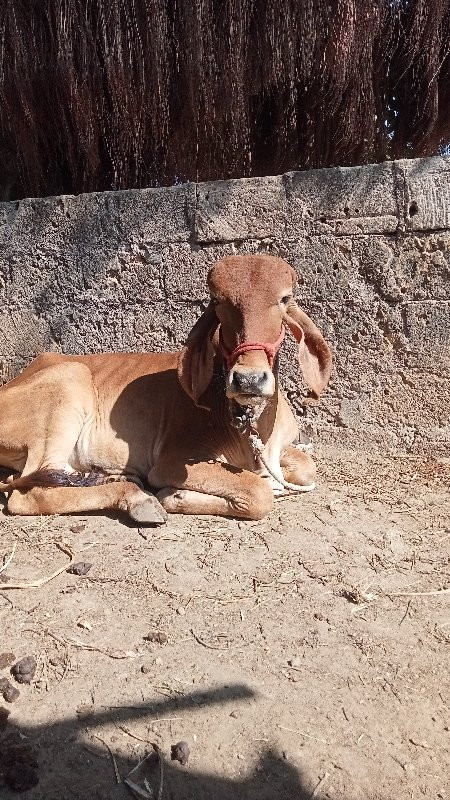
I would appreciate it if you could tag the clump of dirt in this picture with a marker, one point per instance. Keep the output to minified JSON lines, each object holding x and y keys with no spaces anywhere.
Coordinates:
{"x":157,"y":636}
{"x":9,"y":692}
{"x":24,"y":670}
{"x":180,"y":752}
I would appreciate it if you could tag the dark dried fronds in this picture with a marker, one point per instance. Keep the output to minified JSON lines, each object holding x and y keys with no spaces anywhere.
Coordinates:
{"x":116,"y":94}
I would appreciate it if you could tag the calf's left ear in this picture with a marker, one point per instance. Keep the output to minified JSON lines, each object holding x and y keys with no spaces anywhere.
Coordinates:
{"x":314,"y":355}
{"x":196,"y":360}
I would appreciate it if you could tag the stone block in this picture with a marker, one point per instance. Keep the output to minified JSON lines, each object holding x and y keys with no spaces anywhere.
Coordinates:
{"x":427,"y":193}
{"x":240,"y":209}
{"x":342,"y":201}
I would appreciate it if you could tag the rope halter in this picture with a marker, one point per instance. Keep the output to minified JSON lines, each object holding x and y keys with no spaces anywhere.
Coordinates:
{"x":269,"y":348}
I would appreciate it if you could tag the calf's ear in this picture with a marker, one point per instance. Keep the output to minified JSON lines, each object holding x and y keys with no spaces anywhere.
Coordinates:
{"x":195,"y":363}
{"x":314,"y":354}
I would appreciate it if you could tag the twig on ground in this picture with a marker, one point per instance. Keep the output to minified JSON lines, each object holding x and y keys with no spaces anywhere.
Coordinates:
{"x":8,"y":560}
{"x":301,"y":733}
{"x":133,"y":735}
{"x":146,"y":793}
{"x":95,"y":648}
{"x":319,"y":786}
{"x":116,"y":769}
{"x":217,"y":646}
{"x":406,"y":613}
{"x":66,"y":548}
{"x":66,"y":664}
{"x":261,"y":538}
{"x":420,"y":594}
{"x":89,"y":545}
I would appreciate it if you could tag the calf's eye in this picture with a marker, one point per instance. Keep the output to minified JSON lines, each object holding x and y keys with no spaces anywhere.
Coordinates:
{"x":286,"y":298}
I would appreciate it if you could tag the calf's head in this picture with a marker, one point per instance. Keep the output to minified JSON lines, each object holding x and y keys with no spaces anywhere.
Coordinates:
{"x":244,"y":324}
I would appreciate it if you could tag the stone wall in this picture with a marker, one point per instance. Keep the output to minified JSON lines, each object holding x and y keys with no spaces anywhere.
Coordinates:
{"x":371,"y":245}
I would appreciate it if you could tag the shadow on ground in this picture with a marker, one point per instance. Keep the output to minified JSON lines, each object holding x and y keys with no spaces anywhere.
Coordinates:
{"x":72,"y":763}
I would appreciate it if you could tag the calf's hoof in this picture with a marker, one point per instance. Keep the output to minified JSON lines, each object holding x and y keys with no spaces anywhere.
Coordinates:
{"x":150,"y":512}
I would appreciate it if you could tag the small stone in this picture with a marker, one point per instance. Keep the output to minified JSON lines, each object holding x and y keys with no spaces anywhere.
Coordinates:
{"x":145,"y":669}
{"x":83,"y":623}
{"x":10,"y":693}
{"x":418,"y":743}
{"x":157,"y":636}
{"x":295,"y":662}
{"x":80,"y":568}
{"x":181,"y":611}
{"x":24,"y":670}
{"x":6,"y":659}
{"x":78,"y":528}
{"x":234,"y":714}
{"x":285,"y":755}
{"x":180,"y":752}
{"x":158,"y":661}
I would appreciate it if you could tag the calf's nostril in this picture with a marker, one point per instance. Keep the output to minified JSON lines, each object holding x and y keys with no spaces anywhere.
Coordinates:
{"x":239,"y":380}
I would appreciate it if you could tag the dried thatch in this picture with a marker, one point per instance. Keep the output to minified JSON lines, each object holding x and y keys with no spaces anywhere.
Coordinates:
{"x":100,"y":94}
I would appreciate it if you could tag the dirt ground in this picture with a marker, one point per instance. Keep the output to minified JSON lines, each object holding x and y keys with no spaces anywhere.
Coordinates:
{"x":307,"y":655}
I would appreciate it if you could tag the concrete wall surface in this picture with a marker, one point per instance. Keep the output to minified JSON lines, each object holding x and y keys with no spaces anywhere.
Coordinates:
{"x":371,"y":245}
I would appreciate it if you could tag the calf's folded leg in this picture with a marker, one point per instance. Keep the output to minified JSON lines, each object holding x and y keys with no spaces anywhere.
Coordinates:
{"x":218,"y":489}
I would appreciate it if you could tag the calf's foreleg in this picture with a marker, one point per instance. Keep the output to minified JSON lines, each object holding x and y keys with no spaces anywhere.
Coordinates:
{"x":218,"y":489}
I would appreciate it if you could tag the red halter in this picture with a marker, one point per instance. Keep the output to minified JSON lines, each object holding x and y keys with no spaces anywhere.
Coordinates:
{"x":269,"y":349}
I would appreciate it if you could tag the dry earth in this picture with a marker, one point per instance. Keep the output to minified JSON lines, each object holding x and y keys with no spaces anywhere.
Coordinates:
{"x":307,"y":655}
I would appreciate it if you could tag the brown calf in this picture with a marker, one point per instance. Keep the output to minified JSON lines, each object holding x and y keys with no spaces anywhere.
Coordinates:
{"x":88,"y":432}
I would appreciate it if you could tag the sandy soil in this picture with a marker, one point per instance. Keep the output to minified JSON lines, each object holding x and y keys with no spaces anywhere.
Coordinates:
{"x":307,"y":655}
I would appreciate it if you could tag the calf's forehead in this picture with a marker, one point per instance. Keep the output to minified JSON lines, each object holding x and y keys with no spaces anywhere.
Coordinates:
{"x":239,"y":278}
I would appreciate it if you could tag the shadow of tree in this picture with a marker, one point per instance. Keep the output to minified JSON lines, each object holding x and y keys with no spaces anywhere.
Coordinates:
{"x":72,"y":763}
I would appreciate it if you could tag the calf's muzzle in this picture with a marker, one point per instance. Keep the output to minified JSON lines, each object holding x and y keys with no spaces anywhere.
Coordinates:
{"x":251,"y":381}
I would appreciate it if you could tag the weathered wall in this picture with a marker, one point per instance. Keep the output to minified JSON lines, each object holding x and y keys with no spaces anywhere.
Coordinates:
{"x":126,"y":271}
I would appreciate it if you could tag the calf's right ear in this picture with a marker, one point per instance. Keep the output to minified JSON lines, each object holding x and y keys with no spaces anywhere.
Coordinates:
{"x":196,"y":360}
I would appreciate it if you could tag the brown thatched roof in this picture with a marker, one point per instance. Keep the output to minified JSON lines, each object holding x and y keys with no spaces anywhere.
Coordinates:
{"x":101,"y":94}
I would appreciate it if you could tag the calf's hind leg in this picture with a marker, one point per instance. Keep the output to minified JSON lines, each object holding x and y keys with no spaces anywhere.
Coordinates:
{"x":42,"y":417}
{"x":121,"y":496}
{"x":298,"y":467}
